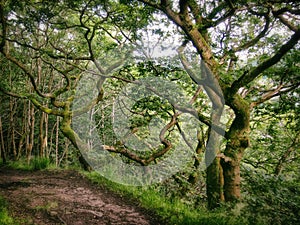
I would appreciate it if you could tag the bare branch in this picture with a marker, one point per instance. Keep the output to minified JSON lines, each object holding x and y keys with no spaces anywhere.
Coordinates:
{"x":28,"y":73}
{"x":281,"y":89}
{"x":287,"y":23}
{"x":43,"y":108}
{"x":266,"y":96}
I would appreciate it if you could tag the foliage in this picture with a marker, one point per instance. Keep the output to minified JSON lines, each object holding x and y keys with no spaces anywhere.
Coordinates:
{"x":249,"y":47}
{"x":271,"y":199}
{"x":275,"y":135}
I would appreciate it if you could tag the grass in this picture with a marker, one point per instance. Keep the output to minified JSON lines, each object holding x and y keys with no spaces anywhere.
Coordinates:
{"x":172,"y":211}
{"x":35,"y":164}
{"x":5,"y":218}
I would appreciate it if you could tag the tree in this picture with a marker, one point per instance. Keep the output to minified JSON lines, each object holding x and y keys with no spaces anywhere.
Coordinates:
{"x":239,"y":42}
{"x":242,"y":45}
{"x":55,"y":47}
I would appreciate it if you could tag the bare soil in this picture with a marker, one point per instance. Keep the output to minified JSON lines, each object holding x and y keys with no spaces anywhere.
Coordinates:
{"x":66,"y":197}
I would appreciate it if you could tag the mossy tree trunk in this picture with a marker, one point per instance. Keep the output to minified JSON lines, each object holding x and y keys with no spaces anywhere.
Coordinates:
{"x":237,"y":141}
{"x":68,"y":132}
{"x":214,"y":184}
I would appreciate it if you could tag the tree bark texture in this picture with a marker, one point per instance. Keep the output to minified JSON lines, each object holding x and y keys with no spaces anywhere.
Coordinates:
{"x":237,"y":141}
{"x":69,"y":133}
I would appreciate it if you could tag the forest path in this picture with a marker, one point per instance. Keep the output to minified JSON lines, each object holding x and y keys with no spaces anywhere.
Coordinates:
{"x":66,"y":197}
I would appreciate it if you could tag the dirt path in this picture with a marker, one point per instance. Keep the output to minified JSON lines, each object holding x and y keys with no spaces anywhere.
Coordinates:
{"x":66,"y":197}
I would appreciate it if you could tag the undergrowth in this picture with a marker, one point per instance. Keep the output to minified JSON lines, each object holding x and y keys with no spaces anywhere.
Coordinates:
{"x":5,"y":218}
{"x":266,"y":200}
{"x":34,"y":164}
{"x":171,"y":210}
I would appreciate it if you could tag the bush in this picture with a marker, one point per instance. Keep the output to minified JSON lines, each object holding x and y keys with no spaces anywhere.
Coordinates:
{"x":271,"y":199}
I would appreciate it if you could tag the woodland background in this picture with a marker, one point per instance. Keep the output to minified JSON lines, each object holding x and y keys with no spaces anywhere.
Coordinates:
{"x":247,"y":50}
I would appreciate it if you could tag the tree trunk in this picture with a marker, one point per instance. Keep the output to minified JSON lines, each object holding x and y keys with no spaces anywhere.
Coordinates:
{"x":68,"y":132}
{"x":41,"y":135}
{"x":237,"y":141}
{"x":30,"y":137}
{"x":231,"y":172}
{"x":56,"y":141}
{"x":12,"y":131}
{"x":2,"y":146}
{"x":64,"y":156}
{"x":214,"y":184}
{"x":214,"y":173}
{"x":46,"y":135}
{"x":193,"y":178}
{"x":24,"y":129}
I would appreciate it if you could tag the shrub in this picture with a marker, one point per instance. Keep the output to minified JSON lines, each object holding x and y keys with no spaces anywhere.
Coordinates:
{"x":272,"y":199}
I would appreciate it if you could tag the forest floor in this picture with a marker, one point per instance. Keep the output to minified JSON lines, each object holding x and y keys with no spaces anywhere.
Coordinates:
{"x":66,"y":197}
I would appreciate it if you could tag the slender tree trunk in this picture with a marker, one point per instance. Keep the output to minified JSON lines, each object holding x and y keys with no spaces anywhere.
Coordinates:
{"x":65,"y":153}
{"x":43,"y":129}
{"x":51,"y":139}
{"x":45,"y":142}
{"x":24,"y":130}
{"x":193,"y":178}
{"x":56,"y":141}
{"x":214,"y":172}
{"x":40,"y":83}
{"x":30,"y":139}
{"x":12,"y":144}
{"x":41,"y":135}
{"x":91,"y":128}
{"x":21,"y":145}
{"x":2,"y":146}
